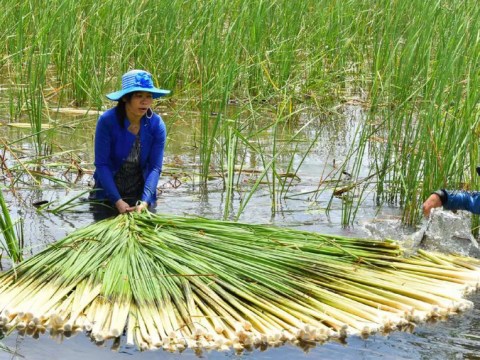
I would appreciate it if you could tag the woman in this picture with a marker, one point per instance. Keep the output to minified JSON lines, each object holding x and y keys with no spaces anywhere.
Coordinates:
{"x":129,"y":144}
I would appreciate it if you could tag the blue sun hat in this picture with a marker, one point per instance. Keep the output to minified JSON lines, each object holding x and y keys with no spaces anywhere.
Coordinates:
{"x":137,"y":80}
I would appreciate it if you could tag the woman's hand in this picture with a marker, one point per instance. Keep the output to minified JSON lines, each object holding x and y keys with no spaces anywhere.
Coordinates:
{"x":432,"y":202}
{"x":143,"y":205}
{"x":122,"y":206}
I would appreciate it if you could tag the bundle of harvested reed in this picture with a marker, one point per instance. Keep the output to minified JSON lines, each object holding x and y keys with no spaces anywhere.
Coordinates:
{"x":177,"y":282}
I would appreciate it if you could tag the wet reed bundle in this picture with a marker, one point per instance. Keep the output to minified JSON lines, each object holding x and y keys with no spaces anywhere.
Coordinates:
{"x":174,"y":282}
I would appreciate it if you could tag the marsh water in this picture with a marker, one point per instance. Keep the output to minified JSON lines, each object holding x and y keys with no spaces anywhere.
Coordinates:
{"x":181,"y":193}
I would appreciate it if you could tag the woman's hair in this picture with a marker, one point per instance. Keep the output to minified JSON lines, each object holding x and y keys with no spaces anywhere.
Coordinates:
{"x":120,"y":108}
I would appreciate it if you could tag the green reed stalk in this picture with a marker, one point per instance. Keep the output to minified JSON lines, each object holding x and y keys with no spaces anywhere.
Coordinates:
{"x":12,"y":242}
{"x":232,"y":147}
{"x":34,"y":94}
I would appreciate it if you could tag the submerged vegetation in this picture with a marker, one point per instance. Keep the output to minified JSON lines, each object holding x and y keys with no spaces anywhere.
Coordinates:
{"x":175,"y":282}
{"x":413,"y":66}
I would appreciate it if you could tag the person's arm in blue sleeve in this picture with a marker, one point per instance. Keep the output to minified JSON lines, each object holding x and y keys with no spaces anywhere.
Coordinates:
{"x":103,"y":137}
{"x":453,"y":200}
{"x":155,"y":163}
{"x":462,"y":200}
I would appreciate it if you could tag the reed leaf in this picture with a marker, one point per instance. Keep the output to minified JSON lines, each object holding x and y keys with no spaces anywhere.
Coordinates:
{"x":7,"y":228}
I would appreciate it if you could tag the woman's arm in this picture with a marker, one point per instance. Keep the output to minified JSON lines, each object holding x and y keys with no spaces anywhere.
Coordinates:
{"x":462,"y":200}
{"x":103,"y":139}
{"x":155,"y":161}
{"x":453,"y":200}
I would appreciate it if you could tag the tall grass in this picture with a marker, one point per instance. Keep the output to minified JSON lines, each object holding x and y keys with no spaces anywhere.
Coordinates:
{"x":424,"y":97}
{"x":416,"y":63}
{"x":188,"y":46}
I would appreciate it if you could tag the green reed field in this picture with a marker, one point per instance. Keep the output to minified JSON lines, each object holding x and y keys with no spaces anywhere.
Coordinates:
{"x":412,"y":65}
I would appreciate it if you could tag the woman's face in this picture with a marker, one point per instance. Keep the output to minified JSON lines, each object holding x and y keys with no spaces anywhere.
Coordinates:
{"x":138,"y":105}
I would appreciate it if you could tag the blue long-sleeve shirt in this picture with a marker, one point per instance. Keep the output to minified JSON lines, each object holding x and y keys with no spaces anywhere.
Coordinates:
{"x":112,"y":146}
{"x":460,"y":200}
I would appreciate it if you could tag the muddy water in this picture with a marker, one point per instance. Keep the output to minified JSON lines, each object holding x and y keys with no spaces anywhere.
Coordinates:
{"x":456,"y":338}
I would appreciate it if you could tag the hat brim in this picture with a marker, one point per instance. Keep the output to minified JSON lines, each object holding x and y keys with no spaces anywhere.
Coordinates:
{"x":117,"y":95}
